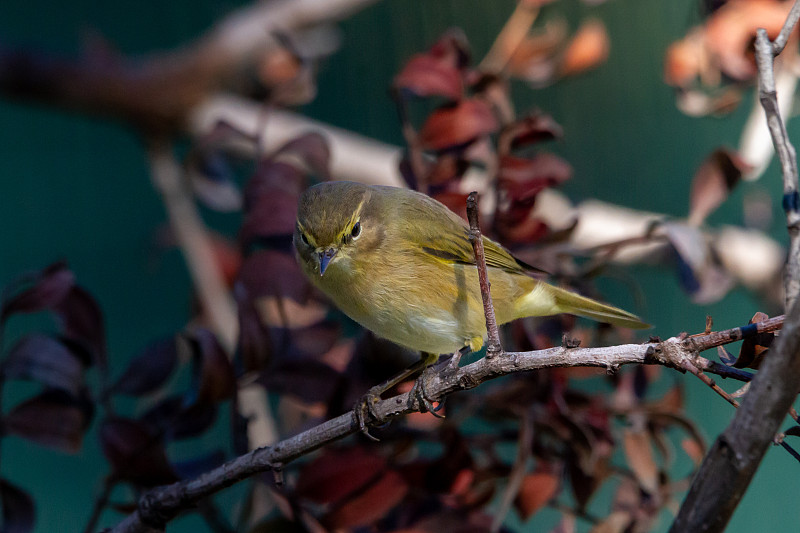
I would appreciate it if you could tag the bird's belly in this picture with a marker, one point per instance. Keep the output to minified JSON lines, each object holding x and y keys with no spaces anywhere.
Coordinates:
{"x":437,"y":318}
{"x":438,"y":334}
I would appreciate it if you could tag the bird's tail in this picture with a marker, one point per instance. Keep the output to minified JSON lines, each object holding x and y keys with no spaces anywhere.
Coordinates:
{"x":575,"y":304}
{"x":546,"y":299}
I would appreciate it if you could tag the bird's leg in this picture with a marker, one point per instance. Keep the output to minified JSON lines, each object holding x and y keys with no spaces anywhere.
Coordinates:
{"x":450,"y":370}
{"x":418,"y":390}
{"x":452,"y":364}
{"x":364,"y":408}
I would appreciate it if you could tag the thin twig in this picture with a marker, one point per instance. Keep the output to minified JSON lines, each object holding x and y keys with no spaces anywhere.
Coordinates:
{"x":518,"y":471}
{"x":510,"y":38}
{"x":100,"y":504}
{"x":191,"y":234}
{"x":788,"y":26}
{"x":723,"y":371}
{"x":788,"y":158}
{"x":718,"y":338}
{"x":710,"y":382}
{"x":493,"y":346}
{"x":217,"y":301}
{"x":416,"y":157}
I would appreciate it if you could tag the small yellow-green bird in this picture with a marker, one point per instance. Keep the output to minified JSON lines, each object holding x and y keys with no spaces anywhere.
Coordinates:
{"x":401,"y":264}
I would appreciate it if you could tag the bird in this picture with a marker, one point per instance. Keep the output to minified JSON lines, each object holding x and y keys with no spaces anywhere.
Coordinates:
{"x":401,"y":264}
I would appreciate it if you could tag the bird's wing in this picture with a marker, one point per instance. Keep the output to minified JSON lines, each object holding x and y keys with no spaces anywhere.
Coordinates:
{"x":458,"y":249}
{"x":443,"y":235}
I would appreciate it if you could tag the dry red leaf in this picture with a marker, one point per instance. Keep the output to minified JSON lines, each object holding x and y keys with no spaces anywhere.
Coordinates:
{"x":269,"y":213}
{"x":713,"y":182}
{"x":538,"y":488}
{"x":309,"y":151}
{"x":588,"y":48}
{"x":148,"y":370}
{"x":54,"y":418}
{"x":46,"y":360}
{"x":534,"y":59}
{"x":533,"y":128}
{"x":671,"y":402}
{"x":19,"y":511}
{"x":685,"y":60}
{"x":457,"y":125}
{"x":216,"y":377}
{"x":371,"y":504}
{"x":755,"y":348}
{"x":639,"y":451}
{"x":731,"y":30}
{"x":278,"y":66}
{"x":445,"y":168}
{"x":427,"y":75}
{"x":40,"y":290}
{"x":520,"y":179}
{"x":694,"y":450}
{"x":336,"y":473}
{"x":135,"y":453}
{"x":272,"y":273}
{"x":227,"y":255}
{"x":455,"y":202}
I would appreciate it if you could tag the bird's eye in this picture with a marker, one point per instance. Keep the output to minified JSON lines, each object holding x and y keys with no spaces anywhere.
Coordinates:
{"x":305,"y":239}
{"x":356,"y":231}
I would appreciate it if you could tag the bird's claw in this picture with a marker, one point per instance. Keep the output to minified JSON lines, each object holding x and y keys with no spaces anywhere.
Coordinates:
{"x":364,"y":410}
{"x":419,"y":394}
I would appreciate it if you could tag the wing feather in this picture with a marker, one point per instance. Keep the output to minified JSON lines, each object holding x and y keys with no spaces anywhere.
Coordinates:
{"x":444,"y":236}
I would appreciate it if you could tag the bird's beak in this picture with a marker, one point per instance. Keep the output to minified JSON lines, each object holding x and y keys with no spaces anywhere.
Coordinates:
{"x":325,"y":258}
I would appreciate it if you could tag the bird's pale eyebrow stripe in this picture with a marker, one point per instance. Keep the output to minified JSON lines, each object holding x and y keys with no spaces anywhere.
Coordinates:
{"x":308,"y":235}
{"x":357,"y":212}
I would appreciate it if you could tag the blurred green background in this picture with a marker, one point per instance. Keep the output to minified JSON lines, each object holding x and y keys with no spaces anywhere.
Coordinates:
{"x":78,"y":189}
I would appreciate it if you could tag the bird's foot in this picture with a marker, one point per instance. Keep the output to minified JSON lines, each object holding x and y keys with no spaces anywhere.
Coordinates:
{"x":449,"y":371}
{"x":455,"y":360}
{"x":421,"y":395}
{"x":365,"y":410}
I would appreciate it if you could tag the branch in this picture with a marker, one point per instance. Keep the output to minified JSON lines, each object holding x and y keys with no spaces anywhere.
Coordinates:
{"x":730,"y":464}
{"x":192,"y":237}
{"x":518,"y":471}
{"x":158,"y":92}
{"x":732,"y":461}
{"x":786,"y":154}
{"x":493,"y":347}
{"x":788,"y":26}
{"x":164,"y":503}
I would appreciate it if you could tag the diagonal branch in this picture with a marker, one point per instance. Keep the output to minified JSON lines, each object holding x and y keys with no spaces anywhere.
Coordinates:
{"x":164,"y":503}
{"x":158,"y":92}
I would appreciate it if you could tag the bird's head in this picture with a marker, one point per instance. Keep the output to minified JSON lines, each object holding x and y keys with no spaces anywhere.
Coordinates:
{"x":333,"y":225}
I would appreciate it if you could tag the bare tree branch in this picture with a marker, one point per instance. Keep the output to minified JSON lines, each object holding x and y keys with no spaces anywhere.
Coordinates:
{"x":217,"y":302}
{"x":788,"y":159}
{"x":164,"y":503}
{"x":493,"y":347}
{"x":191,"y":234}
{"x":157,"y":93}
{"x":788,"y":26}
{"x":730,"y":464}
{"x":734,"y":457}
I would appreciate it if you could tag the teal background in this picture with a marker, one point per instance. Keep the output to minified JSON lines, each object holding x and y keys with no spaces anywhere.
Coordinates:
{"x":78,"y":189}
